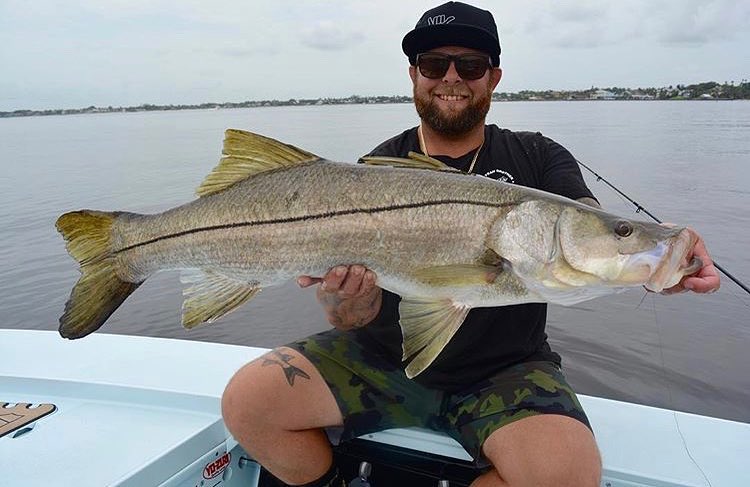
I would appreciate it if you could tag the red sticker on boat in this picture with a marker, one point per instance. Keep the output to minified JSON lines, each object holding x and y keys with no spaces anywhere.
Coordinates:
{"x":214,"y":468}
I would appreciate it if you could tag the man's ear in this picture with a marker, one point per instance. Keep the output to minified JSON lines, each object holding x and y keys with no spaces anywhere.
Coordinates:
{"x":495,"y":76}
{"x":413,"y":73}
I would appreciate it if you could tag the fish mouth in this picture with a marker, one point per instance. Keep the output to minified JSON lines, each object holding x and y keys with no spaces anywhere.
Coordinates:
{"x":670,"y":261}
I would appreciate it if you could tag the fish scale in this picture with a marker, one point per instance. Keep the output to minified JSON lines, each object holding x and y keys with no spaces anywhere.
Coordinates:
{"x":316,"y":229}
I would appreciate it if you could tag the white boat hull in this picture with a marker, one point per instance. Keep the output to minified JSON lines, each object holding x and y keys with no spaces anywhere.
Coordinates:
{"x":135,"y":411}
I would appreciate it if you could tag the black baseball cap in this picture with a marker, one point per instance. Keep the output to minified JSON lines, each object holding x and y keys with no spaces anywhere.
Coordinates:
{"x":454,"y":24}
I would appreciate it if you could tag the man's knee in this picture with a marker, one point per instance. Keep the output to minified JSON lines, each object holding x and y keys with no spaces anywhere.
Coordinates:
{"x":240,"y":402}
{"x":257,"y":390}
{"x":545,"y":450}
{"x":281,"y":389}
{"x":570,"y":471}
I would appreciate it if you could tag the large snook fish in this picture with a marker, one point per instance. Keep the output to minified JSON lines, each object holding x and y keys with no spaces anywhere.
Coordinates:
{"x":443,"y":240}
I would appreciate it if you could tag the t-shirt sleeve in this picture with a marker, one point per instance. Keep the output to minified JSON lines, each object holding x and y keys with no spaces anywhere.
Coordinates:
{"x":561,"y":173}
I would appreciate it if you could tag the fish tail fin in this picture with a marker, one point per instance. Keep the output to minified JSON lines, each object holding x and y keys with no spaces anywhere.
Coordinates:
{"x":99,"y":291}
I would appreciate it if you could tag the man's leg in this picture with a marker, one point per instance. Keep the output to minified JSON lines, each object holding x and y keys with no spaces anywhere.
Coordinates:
{"x":527,"y":422}
{"x":540,"y":451}
{"x":275,"y":408}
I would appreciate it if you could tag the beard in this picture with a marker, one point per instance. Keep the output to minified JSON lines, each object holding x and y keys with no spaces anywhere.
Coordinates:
{"x":454,"y":124}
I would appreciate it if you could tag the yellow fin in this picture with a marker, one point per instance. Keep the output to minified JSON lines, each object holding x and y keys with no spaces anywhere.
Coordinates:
{"x":458,"y":275}
{"x":415,"y":161}
{"x":427,"y":327}
{"x":247,"y":154}
{"x":211,"y":296}
{"x":99,"y":291}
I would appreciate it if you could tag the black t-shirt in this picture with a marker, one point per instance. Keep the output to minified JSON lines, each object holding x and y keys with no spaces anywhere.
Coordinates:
{"x":490,"y":338}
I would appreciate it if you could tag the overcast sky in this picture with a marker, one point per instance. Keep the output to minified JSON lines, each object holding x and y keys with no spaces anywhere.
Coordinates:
{"x":68,"y":54}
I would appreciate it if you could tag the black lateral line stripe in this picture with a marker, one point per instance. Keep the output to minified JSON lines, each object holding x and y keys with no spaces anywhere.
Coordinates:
{"x":319,"y":216}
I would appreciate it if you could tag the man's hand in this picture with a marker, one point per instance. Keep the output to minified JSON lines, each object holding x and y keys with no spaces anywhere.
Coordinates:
{"x":349,"y":295}
{"x":706,"y":280}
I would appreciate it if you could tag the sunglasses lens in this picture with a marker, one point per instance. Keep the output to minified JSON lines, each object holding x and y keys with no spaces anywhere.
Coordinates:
{"x":468,"y":66}
{"x":471,"y":66}
{"x":433,"y":66}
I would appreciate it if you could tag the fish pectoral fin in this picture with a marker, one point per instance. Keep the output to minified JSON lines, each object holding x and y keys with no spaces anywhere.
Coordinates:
{"x":415,"y":161}
{"x":247,"y":154}
{"x":212,"y":295}
{"x":458,"y":275}
{"x":427,"y":327}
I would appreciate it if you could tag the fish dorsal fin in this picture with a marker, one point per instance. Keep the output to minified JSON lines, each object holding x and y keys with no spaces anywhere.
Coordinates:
{"x":427,"y":327}
{"x":247,"y":154}
{"x":211,"y":295}
{"x":415,"y":161}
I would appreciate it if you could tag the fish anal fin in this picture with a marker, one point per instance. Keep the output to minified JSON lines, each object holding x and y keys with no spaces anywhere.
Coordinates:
{"x":427,"y":326}
{"x":458,"y":275}
{"x":211,"y":295}
{"x":414,"y":161}
{"x":247,"y":154}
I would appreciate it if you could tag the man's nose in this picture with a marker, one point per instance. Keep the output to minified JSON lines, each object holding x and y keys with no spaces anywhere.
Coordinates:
{"x":451,"y":76}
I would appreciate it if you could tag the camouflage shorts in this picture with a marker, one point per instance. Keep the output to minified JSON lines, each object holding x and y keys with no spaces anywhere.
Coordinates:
{"x":375,"y":395}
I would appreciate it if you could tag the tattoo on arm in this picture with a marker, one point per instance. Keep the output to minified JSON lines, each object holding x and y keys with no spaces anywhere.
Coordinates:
{"x":331,"y":301}
{"x":354,"y":313}
{"x":371,"y":309}
{"x":283,"y":360}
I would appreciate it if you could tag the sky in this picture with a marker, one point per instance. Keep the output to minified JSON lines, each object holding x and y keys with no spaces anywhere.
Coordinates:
{"x":72,"y":54}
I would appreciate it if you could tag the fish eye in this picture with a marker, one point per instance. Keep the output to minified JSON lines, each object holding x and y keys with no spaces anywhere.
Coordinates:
{"x":623,"y":228}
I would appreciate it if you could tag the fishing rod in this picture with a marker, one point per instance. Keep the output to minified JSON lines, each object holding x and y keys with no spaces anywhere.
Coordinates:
{"x":639,"y":208}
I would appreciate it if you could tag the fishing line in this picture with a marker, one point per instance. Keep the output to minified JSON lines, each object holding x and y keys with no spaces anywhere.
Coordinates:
{"x":642,"y":300}
{"x":739,"y":298}
{"x":639,"y":208}
{"x":669,"y":392}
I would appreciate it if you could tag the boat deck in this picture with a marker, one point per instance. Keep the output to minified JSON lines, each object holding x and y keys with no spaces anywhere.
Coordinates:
{"x":136,"y":411}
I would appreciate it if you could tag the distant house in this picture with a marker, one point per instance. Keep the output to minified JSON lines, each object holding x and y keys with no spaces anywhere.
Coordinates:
{"x":603,"y":95}
{"x":639,"y":95}
{"x":706,"y":96}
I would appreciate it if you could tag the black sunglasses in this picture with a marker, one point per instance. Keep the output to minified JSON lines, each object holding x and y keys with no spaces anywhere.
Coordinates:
{"x":434,"y":65}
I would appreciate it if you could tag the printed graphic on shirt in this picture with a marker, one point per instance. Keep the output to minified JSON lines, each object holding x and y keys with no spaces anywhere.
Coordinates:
{"x":500,"y":175}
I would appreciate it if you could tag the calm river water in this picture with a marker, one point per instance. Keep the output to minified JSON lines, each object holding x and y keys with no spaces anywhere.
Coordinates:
{"x":687,"y":162}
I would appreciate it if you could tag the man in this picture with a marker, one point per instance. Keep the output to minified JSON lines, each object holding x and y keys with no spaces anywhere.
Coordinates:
{"x":352,"y":377}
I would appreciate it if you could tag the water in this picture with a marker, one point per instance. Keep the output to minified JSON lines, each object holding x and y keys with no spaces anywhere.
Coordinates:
{"x":684,"y":161}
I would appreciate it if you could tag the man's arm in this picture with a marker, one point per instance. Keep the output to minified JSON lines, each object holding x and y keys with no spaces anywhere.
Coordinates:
{"x":349,"y":295}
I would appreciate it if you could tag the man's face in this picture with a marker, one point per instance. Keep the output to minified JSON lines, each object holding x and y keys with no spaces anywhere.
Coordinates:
{"x":451,"y":105}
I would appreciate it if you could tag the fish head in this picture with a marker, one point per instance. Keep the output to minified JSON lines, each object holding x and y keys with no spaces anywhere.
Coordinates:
{"x":623,"y":252}
{"x":565,"y":251}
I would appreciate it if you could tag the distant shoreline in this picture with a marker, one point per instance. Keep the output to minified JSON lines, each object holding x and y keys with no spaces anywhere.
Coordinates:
{"x":702,"y":91}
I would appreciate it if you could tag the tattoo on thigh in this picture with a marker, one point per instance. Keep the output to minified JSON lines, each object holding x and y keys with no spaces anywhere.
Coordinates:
{"x":283,"y":360}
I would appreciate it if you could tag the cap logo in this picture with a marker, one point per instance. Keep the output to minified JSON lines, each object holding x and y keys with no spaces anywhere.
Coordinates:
{"x":440,"y":19}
